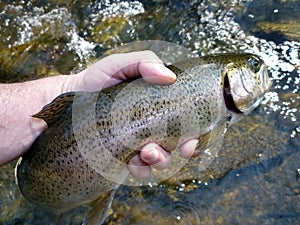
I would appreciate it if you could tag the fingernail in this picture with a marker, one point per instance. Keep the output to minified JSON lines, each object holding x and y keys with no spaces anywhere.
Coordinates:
{"x":161,"y":75}
{"x":165,"y":71}
{"x":151,"y":155}
{"x":188,"y":147}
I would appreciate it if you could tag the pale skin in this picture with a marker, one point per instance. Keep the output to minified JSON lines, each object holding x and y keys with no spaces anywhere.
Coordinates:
{"x":18,"y":101}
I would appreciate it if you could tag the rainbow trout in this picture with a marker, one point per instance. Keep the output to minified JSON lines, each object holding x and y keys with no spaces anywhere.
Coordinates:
{"x":81,"y":158}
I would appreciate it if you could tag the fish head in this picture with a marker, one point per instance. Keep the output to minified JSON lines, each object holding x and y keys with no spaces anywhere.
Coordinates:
{"x":245,"y":81}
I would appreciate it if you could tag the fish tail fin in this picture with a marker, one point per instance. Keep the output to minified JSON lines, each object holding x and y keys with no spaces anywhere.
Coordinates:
{"x":100,"y":208}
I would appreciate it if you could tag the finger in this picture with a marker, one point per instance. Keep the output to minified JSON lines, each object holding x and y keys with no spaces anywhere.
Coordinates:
{"x":154,"y":155}
{"x":143,"y":63}
{"x":138,"y":168}
{"x":157,"y":73}
{"x":187,"y":149}
{"x":118,"y":67}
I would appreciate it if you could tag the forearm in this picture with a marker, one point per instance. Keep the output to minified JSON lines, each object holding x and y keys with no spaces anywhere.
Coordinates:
{"x":18,"y":102}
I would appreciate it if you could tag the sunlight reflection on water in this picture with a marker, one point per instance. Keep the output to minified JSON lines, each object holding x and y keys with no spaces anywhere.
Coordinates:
{"x":80,"y":32}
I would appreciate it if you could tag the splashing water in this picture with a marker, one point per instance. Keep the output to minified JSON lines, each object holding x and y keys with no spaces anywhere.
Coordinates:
{"x":54,"y":37}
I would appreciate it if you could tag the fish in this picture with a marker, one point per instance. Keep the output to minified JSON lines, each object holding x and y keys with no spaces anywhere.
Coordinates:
{"x":81,"y":158}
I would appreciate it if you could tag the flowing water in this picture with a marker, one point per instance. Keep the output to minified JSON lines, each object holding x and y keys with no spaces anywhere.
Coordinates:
{"x":256,"y":177}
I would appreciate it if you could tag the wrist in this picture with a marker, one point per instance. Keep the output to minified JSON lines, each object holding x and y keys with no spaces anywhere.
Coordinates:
{"x":18,"y":102}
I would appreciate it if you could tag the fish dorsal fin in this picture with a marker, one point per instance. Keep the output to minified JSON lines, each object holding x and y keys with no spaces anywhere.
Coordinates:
{"x":54,"y":109}
{"x":100,"y":208}
{"x":215,"y":135}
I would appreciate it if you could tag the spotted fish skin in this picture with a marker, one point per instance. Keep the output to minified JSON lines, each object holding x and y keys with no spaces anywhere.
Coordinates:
{"x":63,"y":168}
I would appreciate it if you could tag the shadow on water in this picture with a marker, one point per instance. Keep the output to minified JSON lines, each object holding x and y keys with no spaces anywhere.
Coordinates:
{"x":256,"y":177}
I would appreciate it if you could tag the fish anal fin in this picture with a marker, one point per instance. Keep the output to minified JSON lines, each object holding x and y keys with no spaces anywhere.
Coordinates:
{"x":54,"y":109}
{"x":100,"y":208}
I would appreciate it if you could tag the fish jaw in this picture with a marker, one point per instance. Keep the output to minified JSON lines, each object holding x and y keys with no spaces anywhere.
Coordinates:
{"x":258,"y":91}
{"x":243,"y":90}
{"x":246,"y":88}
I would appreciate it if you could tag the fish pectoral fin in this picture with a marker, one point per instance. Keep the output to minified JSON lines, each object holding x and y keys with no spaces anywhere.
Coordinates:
{"x":54,"y":109}
{"x":215,"y":135}
{"x":100,"y":208}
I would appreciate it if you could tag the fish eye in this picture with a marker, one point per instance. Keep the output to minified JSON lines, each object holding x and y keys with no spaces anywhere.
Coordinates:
{"x":254,"y":64}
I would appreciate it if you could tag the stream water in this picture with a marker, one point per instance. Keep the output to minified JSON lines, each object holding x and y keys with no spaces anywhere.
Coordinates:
{"x":256,"y":177}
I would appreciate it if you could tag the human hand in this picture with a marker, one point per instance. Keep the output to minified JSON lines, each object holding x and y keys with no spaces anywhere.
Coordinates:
{"x":118,"y":67}
{"x":18,"y":130}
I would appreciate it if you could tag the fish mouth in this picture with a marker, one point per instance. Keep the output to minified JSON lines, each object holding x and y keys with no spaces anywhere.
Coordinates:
{"x":229,"y":102}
